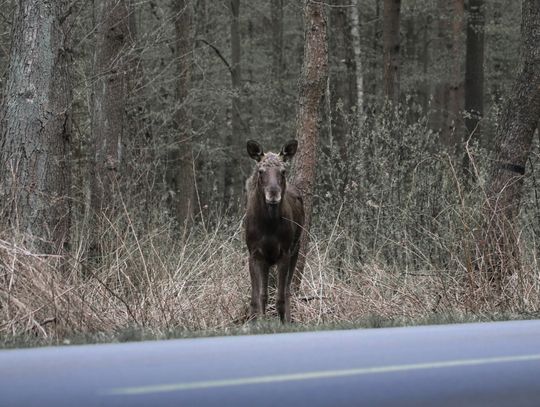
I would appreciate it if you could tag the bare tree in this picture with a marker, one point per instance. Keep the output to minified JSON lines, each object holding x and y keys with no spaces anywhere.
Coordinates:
{"x":391,"y":49}
{"x":312,"y":88}
{"x":456,"y":91}
{"x":441,"y":45}
{"x":277,"y":39}
{"x":356,"y":44}
{"x":233,"y":138}
{"x":342,"y":75}
{"x":108,"y":100}
{"x":520,"y":119}
{"x":139,"y":158}
{"x":448,"y":98}
{"x":36,"y":126}
{"x":425,"y":59}
{"x":474,"y":72}
{"x":280,"y":108}
{"x":180,"y":164}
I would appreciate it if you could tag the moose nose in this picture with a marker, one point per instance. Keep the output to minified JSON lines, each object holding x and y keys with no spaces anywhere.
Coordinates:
{"x":273,"y":196}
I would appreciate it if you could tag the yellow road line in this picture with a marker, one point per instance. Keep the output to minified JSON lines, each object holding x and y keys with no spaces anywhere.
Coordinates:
{"x":323,"y":374}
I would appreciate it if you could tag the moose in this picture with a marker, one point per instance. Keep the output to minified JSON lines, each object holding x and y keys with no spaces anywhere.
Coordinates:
{"x":273,"y":226}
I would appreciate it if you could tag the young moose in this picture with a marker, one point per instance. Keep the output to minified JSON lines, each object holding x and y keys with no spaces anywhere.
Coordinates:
{"x":274,"y":219}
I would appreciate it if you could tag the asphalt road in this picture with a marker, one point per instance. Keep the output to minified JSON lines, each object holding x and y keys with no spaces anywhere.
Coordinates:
{"x":491,"y":364}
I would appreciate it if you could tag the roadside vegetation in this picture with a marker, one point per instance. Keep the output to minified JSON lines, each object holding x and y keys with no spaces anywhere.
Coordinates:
{"x":403,"y":254}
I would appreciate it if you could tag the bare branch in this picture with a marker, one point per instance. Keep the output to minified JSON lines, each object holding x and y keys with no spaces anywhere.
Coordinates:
{"x":218,"y":52}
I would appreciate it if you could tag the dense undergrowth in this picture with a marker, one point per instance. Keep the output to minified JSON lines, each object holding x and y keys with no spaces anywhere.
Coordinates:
{"x":157,"y":286}
{"x":394,"y":241}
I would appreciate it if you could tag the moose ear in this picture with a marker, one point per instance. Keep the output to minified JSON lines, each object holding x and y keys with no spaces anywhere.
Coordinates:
{"x":254,"y":150}
{"x":289,"y":150}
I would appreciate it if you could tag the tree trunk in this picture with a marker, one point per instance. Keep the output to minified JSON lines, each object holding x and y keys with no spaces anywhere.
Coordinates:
{"x":456,"y":92}
{"x":342,"y":76}
{"x":277,"y":40}
{"x":280,"y":106}
{"x":424,"y":57}
{"x":6,"y":26}
{"x":474,"y":74}
{"x":140,"y":155}
{"x":183,"y":180}
{"x":520,"y":119}
{"x":233,"y":141}
{"x":500,"y":61}
{"x":111,"y":64}
{"x":439,"y":114}
{"x":391,"y":50}
{"x":373,"y":73}
{"x":36,"y":126}
{"x":412,"y":53}
{"x":357,"y":49}
{"x":312,"y":88}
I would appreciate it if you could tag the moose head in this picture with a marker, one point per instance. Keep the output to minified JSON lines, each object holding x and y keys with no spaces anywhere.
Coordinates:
{"x":272,"y":169}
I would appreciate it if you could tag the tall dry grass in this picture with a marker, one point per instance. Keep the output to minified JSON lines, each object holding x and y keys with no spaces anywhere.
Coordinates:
{"x":396,"y":239}
{"x":160,"y":282}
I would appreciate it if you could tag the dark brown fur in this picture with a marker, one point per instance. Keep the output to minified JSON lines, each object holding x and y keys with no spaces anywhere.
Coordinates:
{"x":273,"y":225}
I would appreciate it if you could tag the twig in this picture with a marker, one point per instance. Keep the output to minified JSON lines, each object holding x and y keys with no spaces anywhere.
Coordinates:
{"x":218,"y":52}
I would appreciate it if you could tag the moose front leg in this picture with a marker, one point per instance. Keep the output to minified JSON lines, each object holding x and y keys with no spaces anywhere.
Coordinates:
{"x":284,"y":289}
{"x":258,"y":271}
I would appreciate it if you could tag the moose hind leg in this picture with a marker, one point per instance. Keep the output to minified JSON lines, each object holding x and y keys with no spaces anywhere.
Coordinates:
{"x":292,"y":268}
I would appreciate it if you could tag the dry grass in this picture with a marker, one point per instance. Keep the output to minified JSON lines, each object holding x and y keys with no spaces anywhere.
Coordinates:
{"x":159,"y":283}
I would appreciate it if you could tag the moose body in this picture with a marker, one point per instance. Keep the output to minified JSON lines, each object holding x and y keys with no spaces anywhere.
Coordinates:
{"x":273,"y":226}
